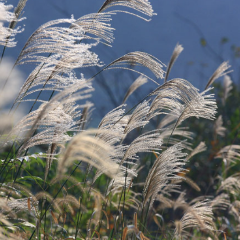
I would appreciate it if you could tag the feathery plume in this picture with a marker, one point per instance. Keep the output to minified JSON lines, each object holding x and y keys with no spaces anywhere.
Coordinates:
{"x":146,"y":142}
{"x":36,"y":81}
{"x":136,"y":84}
{"x":69,"y":201}
{"x":180,"y":98}
{"x":221,"y":71}
{"x":142,"y":6}
{"x":191,"y":183}
{"x":221,"y":202}
{"x":53,"y":125}
{"x":218,"y":127}
{"x":111,"y":123}
{"x":230,"y":154}
{"x":176,"y":52}
{"x":138,"y":117}
{"x":88,"y":148}
{"x":47,"y":116}
{"x":200,"y":148}
{"x":96,"y":27}
{"x":199,"y":215}
{"x":227,"y":87}
{"x":61,"y":43}
{"x":164,"y":169}
{"x":139,"y":58}
{"x":181,"y":202}
{"x":49,"y":198}
{"x":231,"y":185}
{"x":5,"y":234}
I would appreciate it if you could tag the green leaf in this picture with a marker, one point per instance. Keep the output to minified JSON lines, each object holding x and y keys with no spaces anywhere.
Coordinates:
{"x":31,"y":178}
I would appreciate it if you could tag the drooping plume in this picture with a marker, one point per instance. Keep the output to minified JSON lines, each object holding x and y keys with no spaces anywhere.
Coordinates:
{"x":139,"y":59}
{"x":164,"y":169}
{"x":142,"y":6}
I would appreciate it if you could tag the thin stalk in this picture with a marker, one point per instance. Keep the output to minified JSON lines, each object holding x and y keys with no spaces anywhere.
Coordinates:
{"x":78,"y":219}
{"x":145,"y":220}
{"x":124,"y":197}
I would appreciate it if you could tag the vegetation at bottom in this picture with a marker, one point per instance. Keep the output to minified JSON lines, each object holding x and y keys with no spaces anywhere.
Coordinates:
{"x":165,"y":168}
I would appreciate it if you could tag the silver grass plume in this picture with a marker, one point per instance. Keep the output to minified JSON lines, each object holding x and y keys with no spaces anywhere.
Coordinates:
{"x":180,"y":131}
{"x":85,"y":117}
{"x":218,"y":127}
{"x":199,"y":215}
{"x":53,"y":125}
{"x":227,"y":87}
{"x":165,"y":202}
{"x":136,"y":84}
{"x":120,"y":180}
{"x":191,"y":183}
{"x":229,"y":154}
{"x":87,"y":147}
{"x":138,"y":117}
{"x":231,"y":185}
{"x":221,"y":71}
{"x":57,"y":82}
{"x":221,"y":202}
{"x":70,"y":201}
{"x":96,"y":26}
{"x":19,"y":189}
{"x":47,"y":115}
{"x":49,"y":198}
{"x":234,"y":211}
{"x":142,"y":6}
{"x":59,"y":49}
{"x":180,"y":98}
{"x":147,"y":142}
{"x":176,"y":52}
{"x":139,"y":58}
{"x":181,"y":202}
{"x":7,"y":34}
{"x":200,"y":148}
{"x":61,"y":41}
{"x":172,"y":187}
{"x":165,"y":168}
{"x":111,"y":123}
{"x":111,"y":130}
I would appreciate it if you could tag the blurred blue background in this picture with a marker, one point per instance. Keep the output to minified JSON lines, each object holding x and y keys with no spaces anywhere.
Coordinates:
{"x":207,"y":29}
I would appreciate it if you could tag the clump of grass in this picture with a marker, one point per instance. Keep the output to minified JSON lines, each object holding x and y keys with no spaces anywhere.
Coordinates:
{"x":124,"y":179}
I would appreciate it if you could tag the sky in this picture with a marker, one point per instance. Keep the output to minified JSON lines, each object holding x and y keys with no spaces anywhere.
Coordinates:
{"x":207,"y":29}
